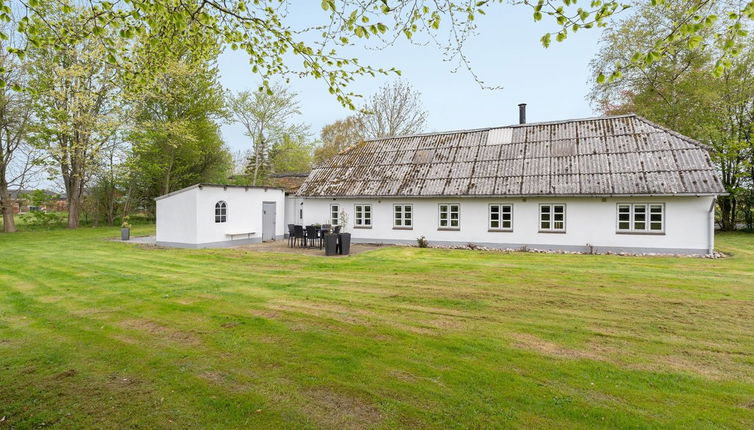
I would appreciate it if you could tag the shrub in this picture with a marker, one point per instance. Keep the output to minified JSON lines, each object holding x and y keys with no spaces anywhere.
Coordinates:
{"x":422,"y":242}
{"x":41,"y":218}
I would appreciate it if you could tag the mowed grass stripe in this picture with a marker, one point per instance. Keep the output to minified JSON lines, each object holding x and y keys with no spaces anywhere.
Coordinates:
{"x":398,"y":337}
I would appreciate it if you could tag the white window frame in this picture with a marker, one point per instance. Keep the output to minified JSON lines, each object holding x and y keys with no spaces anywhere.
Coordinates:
{"x":362,"y":215}
{"x":221,"y":212}
{"x":633,"y":222}
{"x":334,"y":220}
{"x":551,"y":220}
{"x":500,"y":220}
{"x":449,"y":218}
{"x":400,"y":218}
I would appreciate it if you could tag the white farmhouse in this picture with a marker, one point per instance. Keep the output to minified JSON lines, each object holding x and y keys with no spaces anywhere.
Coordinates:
{"x":616,"y":184}
{"x":621,"y":184}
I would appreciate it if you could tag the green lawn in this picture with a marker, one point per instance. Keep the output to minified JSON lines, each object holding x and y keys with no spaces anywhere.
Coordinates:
{"x":99,"y":334}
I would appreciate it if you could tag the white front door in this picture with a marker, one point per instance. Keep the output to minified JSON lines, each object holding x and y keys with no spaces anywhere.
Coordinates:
{"x":268,"y":220}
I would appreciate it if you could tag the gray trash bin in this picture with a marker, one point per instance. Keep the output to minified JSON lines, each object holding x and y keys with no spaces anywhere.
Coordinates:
{"x":345,"y":243}
{"x":331,"y":244}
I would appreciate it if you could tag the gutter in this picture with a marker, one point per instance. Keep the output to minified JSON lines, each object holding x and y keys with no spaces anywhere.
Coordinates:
{"x":507,"y":196}
{"x":711,"y":227}
{"x":223,"y":186}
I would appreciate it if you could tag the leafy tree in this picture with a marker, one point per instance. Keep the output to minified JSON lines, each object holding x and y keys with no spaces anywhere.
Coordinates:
{"x":76,"y":109}
{"x":337,"y":136}
{"x":18,"y":160}
{"x":681,"y":92}
{"x":105,"y":193}
{"x":175,"y":138}
{"x":293,"y":154}
{"x":394,"y":110}
{"x":279,"y":48}
{"x":267,"y":119}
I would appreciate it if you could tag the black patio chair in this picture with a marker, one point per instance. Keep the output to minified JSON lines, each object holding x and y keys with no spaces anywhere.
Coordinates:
{"x":325,"y":229}
{"x":298,"y":233}
{"x":311,"y":235}
{"x":291,"y":235}
{"x":337,"y":229}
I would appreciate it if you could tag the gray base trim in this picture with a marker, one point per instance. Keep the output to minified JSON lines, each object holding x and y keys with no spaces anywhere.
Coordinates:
{"x":546,"y":247}
{"x":222,"y":244}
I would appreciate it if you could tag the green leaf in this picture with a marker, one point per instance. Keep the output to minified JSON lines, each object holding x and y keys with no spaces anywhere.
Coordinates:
{"x":695,"y":41}
{"x":545,"y":40}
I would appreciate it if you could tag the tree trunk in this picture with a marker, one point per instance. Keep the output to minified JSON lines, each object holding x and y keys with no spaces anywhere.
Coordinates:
{"x":74,"y":203}
{"x":727,"y":213}
{"x":168,"y":174}
{"x":129,"y":196}
{"x":256,"y":171}
{"x":6,"y":205}
{"x":74,"y":212}
{"x":750,"y":208}
{"x":258,"y":151}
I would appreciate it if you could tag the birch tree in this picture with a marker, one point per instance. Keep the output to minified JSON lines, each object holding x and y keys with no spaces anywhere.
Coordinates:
{"x":267,"y":117}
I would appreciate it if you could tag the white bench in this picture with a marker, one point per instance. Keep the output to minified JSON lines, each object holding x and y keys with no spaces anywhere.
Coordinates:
{"x":248,"y":234}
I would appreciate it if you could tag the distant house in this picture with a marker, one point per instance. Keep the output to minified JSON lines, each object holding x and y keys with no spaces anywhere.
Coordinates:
{"x":290,"y":182}
{"x":21,"y":203}
{"x":607,"y":184}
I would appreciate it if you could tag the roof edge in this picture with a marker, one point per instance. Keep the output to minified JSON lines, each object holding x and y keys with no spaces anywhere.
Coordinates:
{"x":289,"y":175}
{"x":516,"y":196}
{"x":201,"y":185}
{"x":675,"y":133}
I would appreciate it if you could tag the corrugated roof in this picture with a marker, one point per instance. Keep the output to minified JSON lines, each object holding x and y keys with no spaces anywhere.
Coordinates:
{"x":619,"y":155}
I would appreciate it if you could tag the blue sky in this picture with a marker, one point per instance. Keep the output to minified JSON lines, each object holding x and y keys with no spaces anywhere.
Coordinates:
{"x":506,"y":52}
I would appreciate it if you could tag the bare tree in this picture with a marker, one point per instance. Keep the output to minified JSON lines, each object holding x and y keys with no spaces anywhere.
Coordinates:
{"x":18,"y":160}
{"x":240,"y":159}
{"x":266,"y":118}
{"x":395,"y":110}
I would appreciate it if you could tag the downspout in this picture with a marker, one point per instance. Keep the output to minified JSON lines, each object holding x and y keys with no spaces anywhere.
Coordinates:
{"x":711,"y":227}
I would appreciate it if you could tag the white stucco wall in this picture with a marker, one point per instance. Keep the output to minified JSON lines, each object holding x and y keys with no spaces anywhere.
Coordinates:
{"x":589,"y":220}
{"x":187,"y":218}
{"x":293,"y":210}
{"x":176,"y":218}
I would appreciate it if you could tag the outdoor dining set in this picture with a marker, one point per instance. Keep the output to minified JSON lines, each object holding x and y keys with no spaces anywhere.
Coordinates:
{"x":323,"y":236}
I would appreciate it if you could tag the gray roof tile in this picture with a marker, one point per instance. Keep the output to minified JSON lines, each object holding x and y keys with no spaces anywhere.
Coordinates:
{"x":600,"y":156}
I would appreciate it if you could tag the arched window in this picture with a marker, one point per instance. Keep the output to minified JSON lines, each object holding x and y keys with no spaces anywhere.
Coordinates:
{"x":221,"y":211}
